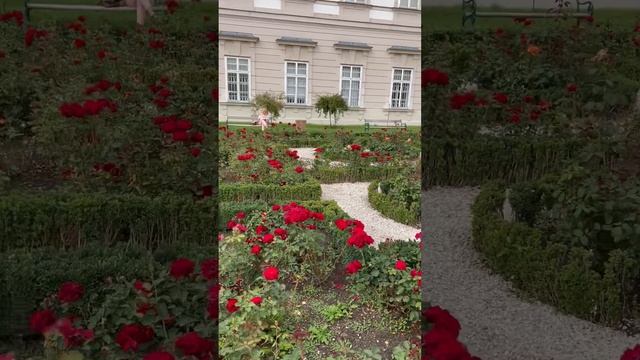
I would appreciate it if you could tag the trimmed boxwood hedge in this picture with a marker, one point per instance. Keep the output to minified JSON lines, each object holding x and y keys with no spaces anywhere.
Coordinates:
{"x":473,"y":162}
{"x":27,"y":276}
{"x":239,"y":192}
{"x":74,"y":219}
{"x":391,"y":208}
{"x":553,"y":273}
{"x":330,"y":175}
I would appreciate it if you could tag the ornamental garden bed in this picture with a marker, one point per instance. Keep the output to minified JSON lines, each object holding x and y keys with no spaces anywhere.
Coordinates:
{"x":550,"y":113}
{"x":108,"y":174}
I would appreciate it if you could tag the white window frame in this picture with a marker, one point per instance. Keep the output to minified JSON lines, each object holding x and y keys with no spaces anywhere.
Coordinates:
{"x":359,"y":105}
{"x":417,"y":7}
{"x":409,"y":94}
{"x":226,"y":73}
{"x":306,"y":95}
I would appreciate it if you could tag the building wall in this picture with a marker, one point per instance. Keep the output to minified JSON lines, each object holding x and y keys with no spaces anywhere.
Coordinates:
{"x":296,"y":18}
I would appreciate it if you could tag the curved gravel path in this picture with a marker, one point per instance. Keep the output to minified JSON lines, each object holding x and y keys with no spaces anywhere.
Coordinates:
{"x":353,"y":198}
{"x":496,"y":323}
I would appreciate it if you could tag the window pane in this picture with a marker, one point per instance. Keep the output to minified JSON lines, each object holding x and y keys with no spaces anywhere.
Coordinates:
{"x":355,"y":95}
{"x":301,"y":99}
{"x":231,"y":64}
{"x":291,"y":99}
{"x":302,"y":69}
{"x":291,"y":68}
{"x":407,"y":75}
{"x":397,"y":74}
{"x":243,"y":66}
{"x":346,"y":71}
{"x":356,"y":72}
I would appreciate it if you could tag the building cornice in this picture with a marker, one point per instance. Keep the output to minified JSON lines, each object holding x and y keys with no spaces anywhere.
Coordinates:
{"x":238,"y":36}
{"x":285,"y":40}
{"x":410,"y":50}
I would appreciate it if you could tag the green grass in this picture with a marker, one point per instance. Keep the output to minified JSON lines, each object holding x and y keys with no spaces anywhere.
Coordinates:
{"x":321,"y":128}
{"x":435,"y":19}
{"x":118,"y":19}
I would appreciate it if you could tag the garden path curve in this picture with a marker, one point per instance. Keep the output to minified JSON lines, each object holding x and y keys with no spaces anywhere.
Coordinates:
{"x":353,"y":198}
{"x":496,"y":323}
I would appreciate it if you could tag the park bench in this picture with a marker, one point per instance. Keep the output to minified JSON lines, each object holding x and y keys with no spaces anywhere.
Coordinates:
{"x":584,"y":10}
{"x":30,"y":6}
{"x":384,"y":124}
{"x":247,"y":121}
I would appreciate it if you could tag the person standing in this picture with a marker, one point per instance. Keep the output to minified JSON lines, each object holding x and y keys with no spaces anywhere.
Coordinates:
{"x":263,"y":118}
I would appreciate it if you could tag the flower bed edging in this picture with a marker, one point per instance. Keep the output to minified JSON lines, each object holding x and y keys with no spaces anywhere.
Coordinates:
{"x":391,"y":208}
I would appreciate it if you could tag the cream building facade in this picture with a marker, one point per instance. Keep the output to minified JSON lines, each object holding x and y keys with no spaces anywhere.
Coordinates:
{"x":366,"y":50}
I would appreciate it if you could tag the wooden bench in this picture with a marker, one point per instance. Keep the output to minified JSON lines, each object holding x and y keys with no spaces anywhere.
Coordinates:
{"x":242,"y":121}
{"x":384,"y":124}
{"x":470,"y":12}
{"x":29,"y":6}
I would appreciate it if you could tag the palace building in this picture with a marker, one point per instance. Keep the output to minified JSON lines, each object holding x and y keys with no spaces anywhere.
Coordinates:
{"x":366,"y":50}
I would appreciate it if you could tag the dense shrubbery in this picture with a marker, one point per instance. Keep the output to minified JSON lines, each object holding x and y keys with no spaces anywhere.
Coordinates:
{"x":397,"y":199}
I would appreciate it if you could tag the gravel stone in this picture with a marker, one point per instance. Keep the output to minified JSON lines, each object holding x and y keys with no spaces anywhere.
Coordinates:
{"x":496,"y":323}
{"x":354,"y":200}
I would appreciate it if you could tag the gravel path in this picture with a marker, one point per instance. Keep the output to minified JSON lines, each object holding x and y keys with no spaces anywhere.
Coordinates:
{"x":354,"y":200}
{"x":496,"y":324}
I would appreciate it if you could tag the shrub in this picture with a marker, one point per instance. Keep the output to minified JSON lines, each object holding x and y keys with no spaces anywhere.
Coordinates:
{"x":331,"y":106}
{"x":270,"y":192}
{"x":70,"y":220}
{"x":404,"y":208}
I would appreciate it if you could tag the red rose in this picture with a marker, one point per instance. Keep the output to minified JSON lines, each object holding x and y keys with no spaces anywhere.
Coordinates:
{"x":142,"y":288}
{"x":180,"y":136}
{"x":41,"y":321}
{"x":631,"y":354}
{"x":267,"y":239}
{"x":159,"y":355}
{"x":197,"y":137}
{"x":271,"y":273}
{"x":416,"y":273}
{"x":212,"y":36}
{"x":299,"y":169}
{"x":214,"y":95}
{"x":434,"y":77}
{"x":359,"y":238}
{"x":353,"y":267}
{"x":255,"y":249}
{"x":209,"y":269}
{"x":442,"y":320}
{"x":79,"y":43}
{"x":181,"y":268}
{"x":194,"y":345}
{"x":257,"y":300}
{"x":156,"y":44}
{"x":401,"y":265}
{"x":571,"y":88}
{"x":341,"y":224}
{"x":281,"y":233}
{"x":8,"y":356}
{"x":501,"y":98}
{"x":195,"y":152}
{"x":275,"y":207}
{"x":131,"y":336}
{"x":458,"y":101}
{"x":70,"y":292}
{"x":164,"y":92}
{"x":73,"y":337}
{"x":232,"y":305}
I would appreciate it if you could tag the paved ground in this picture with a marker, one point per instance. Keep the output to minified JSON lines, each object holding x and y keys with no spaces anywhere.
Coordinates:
{"x":497,"y":324}
{"x":354,"y":200}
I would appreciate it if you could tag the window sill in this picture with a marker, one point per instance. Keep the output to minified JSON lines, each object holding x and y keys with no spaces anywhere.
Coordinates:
{"x":401,"y":110}
{"x":236,"y":103}
{"x":298,"y":106}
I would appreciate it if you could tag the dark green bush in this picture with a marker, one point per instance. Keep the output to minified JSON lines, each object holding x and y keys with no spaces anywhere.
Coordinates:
{"x":70,"y":220}
{"x":392,"y":208}
{"x":559,"y":274}
{"x":270,"y":192}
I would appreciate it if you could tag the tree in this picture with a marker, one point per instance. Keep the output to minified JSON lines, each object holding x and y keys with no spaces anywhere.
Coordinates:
{"x":331,"y":106}
{"x":272,"y":103}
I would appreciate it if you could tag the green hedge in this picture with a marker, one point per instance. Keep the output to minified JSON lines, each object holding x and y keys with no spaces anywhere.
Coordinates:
{"x":550,"y":272}
{"x":70,"y":220}
{"x":27,"y":276}
{"x":330,"y":175}
{"x":391,"y":208}
{"x":487,"y":158}
{"x":270,"y":192}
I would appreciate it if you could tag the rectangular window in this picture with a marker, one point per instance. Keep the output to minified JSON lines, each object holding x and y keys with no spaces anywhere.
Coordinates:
{"x":350,"y":84}
{"x":238,"y":74}
{"x":411,"y":4}
{"x":401,"y":88}
{"x":296,"y":77}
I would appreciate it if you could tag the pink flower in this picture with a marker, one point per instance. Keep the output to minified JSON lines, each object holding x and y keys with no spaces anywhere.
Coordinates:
{"x":353,"y":267}
{"x":401,"y":265}
{"x":271,"y":273}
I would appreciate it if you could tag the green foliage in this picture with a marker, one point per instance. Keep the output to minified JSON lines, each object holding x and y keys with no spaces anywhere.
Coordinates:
{"x":72,"y":220}
{"x":331,"y":106}
{"x":334,"y":312}
{"x":273,"y":104}
{"x":399,"y":200}
{"x":320,"y":334}
{"x":270,"y":192}
{"x":565,"y":275}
